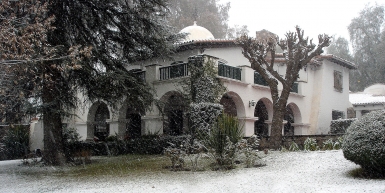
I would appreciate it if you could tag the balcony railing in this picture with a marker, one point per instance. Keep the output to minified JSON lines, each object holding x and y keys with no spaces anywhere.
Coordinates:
{"x":174,"y":71}
{"x":229,"y":71}
{"x":258,"y":79}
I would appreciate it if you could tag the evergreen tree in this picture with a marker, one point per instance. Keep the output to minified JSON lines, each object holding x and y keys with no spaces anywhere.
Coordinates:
{"x":94,"y":41}
{"x":367,"y":37}
{"x":208,"y":13}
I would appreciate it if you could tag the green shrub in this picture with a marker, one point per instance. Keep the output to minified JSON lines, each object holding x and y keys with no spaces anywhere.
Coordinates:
{"x":16,"y":142}
{"x":293,"y":146}
{"x":364,"y":143}
{"x":328,"y":145}
{"x":338,"y":143}
{"x":310,"y":144}
{"x":222,"y":139}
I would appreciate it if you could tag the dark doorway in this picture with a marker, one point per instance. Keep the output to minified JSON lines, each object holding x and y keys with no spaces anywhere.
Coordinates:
{"x":134,"y":124}
{"x":102,"y":129}
{"x":260,"y":127}
{"x":289,"y":117}
{"x":174,"y":110}
{"x":175,"y":122}
{"x":228,"y":105}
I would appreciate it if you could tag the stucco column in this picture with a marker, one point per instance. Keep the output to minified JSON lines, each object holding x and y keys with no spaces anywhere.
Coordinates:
{"x":247,"y":74}
{"x":152,"y":73}
{"x":358,"y":114}
{"x":152,"y":124}
{"x":114,"y":127}
{"x":90,"y":130}
{"x":269,"y":127}
{"x":248,"y":125}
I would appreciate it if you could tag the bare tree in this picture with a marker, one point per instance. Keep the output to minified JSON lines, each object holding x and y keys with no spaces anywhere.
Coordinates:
{"x":297,"y":53}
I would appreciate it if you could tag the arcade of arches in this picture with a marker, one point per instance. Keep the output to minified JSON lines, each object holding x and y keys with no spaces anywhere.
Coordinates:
{"x":175,"y":121}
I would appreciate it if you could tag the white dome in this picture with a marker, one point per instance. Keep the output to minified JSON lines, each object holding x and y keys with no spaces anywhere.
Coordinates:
{"x":376,"y":89}
{"x":195,"y":32}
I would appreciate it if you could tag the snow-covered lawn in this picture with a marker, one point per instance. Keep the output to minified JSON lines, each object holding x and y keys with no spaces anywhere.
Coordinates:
{"x":320,"y":171}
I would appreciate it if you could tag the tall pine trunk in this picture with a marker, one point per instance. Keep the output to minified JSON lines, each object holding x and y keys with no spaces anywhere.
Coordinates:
{"x":52,"y":123}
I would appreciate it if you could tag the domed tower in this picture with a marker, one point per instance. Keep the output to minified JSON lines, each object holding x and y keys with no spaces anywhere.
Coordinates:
{"x":195,"y":32}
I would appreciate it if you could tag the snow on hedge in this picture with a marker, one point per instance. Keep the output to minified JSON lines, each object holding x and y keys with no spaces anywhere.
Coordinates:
{"x":364,"y":142}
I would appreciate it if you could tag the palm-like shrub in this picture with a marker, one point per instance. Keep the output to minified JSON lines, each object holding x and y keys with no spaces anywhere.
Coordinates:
{"x":364,"y":143}
{"x":310,"y":144}
{"x":222,"y":139}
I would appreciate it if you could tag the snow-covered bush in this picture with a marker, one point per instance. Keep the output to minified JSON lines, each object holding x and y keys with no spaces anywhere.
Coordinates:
{"x":364,"y":142}
{"x":340,"y":125}
{"x":293,"y":146}
{"x":204,"y":115}
{"x":249,"y":147}
{"x":203,"y":89}
{"x":328,"y":145}
{"x":310,"y":144}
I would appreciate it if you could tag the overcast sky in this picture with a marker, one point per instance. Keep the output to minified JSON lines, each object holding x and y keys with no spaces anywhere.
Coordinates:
{"x":313,"y":16}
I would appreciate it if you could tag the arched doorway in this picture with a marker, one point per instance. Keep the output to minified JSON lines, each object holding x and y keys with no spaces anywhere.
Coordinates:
{"x":101,"y":127}
{"x":133,"y":124}
{"x":174,"y":109}
{"x":229,"y":106}
{"x":260,"y":127}
{"x":289,"y":117}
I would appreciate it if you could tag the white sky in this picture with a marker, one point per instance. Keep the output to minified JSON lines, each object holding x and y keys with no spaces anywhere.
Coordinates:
{"x":313,"y":16}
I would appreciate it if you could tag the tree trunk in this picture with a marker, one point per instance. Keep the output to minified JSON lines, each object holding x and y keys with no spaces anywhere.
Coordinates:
{"x":276,"y":128}
{"x":279,"y":110}
{"x":52,"y":123}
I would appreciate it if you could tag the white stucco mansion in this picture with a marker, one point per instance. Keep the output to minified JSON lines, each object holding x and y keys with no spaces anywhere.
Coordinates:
{"x":320,"y":95}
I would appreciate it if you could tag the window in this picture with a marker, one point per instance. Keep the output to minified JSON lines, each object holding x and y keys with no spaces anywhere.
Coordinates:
{"x":338,"y":81}
{"x":337,"y":115}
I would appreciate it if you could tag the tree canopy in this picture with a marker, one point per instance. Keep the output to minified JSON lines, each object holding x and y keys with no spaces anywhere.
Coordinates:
{"x":208,"y":13}
{"x":367,"y":36}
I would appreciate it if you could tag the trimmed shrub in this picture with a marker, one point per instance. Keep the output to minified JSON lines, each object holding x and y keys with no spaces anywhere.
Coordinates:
{"x":364,"y":143}
{"x":339,"y":126}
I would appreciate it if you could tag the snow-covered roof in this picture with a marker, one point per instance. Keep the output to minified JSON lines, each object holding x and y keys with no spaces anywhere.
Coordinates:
{"x":366,"y":99}
{"x":337,"y":60}
{"x":372,"y":95}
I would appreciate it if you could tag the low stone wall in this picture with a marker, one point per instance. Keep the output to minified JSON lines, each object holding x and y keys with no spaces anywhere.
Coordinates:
{"x":299,"y":139}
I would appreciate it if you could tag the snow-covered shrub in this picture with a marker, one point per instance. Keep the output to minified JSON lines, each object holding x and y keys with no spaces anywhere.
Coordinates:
{"x":310,"y":144}
{"x":249,"y":147}
{"x":204,"y":115}
{"x":293,"y":146}
{"x":221,"y":141}
{"x":328,"y":145}
{"x":16,"y":142}
{"x":203,"y":89}
{"x":364,"y":143}
{"x":340,"y":125}
{"x":338,"y":143}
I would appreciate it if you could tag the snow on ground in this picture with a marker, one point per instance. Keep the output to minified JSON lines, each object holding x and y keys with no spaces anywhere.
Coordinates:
{"x":320,"y":171}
